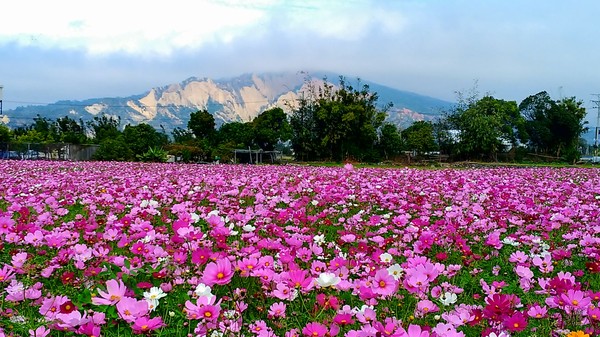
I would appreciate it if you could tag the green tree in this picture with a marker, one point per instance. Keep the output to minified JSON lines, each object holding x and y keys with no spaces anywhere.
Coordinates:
{"x":486,"y":127}
{"x":271,"y":127}
{"x":305,"y":142}
{"x":554,"y":126}
{"x":182,"y":136}
{"x":390,"y":141}
{"x":238,"y":134}
{"x":113,"y":149}
{"x":140,"y":138}
{"x":5,"y":134}
{"x":202,"y":124}
{"x":419,"y":137}
{"x":70,"y":131}
{"x":105,"y":127}
{"x":338,"y":123}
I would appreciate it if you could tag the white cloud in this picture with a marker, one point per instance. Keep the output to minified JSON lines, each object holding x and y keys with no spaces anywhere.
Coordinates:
{"x":148,"y":27}
{"x":135,"y":27}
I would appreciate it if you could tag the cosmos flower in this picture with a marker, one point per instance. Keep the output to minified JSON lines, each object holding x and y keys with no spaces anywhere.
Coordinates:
{"x":115,"y":290}
{"x":219,"y":272}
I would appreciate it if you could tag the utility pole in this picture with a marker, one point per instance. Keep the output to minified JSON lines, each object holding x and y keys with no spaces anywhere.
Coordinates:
{"x":597,"y":102}
{"x":1,"y":88}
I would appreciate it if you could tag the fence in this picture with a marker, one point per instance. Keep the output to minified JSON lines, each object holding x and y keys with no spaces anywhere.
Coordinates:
{"x":75,"y":152}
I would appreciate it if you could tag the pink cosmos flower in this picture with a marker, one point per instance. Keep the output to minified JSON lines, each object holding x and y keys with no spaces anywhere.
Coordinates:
{"x":130,"y":309}
{"x":425,"y":307}
{"x":544,"y":263}
{"x":576,"y":299}
{"x":144,"y":324}
{"x":219,"y":272}
{"x":115,"y":291}
{"x":383,"y":283}
{"x":40,"y":331}
{"x":6,"y":273}
{"x":314,"y":329}
{"x":413,"y":331}
{"x":537,"y":311}
{"x":89,"y":329}
{"x":277,"y":310}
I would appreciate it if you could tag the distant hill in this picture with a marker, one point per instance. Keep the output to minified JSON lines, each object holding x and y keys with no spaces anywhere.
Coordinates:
{"x":233,"y":99}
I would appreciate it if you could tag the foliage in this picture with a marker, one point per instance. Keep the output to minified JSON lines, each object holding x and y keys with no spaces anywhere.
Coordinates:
{"x":237,"y":134}
{"x":336,"y":123}
{"x":154,"y":155}
{"x":202,"y":124}
{"x":390,"y":141}
{"x":554,"y":126}
{"x":419,"y":137}
{"x":105,"y":127}
{"x":70,"y":131}
{"x":185,"y":153}
{"x":142,"y":137}
{"x":5,"y":133}
{"x":114,"y":149}
{"x":271,"y":127}
{"x":486,"y":126}
{"x":182,"y":136}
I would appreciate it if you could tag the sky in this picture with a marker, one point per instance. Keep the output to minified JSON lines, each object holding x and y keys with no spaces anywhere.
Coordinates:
{"x":74,"y":50}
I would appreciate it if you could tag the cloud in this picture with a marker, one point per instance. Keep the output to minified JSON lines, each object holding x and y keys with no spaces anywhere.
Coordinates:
{"x":162,"y":28}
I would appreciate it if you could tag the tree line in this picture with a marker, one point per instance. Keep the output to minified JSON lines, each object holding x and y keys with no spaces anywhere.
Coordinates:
{"x":336,"y":123}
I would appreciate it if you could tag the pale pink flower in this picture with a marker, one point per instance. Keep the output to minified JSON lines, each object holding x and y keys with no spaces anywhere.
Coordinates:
{"x":115,"y":291}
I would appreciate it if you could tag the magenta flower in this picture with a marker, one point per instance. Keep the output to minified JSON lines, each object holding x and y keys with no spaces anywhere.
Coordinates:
{"x":383,"y":283}
{"x":314,"y":329}
{"x":115,"y":291}
{"x":144,"y":324}
{"x":515,"y":322}
{"x":219,"y":272}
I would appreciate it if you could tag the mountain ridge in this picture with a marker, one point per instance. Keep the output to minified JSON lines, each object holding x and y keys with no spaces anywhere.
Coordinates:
{"x":239,"y":98}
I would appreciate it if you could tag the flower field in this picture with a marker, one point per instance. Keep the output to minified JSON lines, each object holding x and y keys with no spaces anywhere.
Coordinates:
{"x":122,"y":249}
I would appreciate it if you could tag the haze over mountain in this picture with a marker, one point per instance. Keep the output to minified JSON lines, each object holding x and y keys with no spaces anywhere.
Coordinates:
{"x":240,"y":98}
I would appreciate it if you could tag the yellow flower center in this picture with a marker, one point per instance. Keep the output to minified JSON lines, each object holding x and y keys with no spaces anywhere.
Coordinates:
{"x":220,"y":275}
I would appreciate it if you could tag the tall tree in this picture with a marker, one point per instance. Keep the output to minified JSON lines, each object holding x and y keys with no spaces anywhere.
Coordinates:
{"x":338,"y":123}
{"x":486,"y":126}
{"x":419,"y":137}
{"x":140,"y":138}
{"x":554,"y":126}
{"x":202,"y":124}
{"x":105,"y":127}
{"x":390,"y":141}
{"x":70,"y":131}
{"x":271,"y":127}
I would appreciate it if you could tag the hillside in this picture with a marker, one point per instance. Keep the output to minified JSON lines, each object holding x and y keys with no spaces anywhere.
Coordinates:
{"x":233,"y":99}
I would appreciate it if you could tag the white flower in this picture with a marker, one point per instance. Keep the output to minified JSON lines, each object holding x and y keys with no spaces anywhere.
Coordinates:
{"x":327,"y":280}
{"x":395,"y":270}
{"x":314,"y":202}
{"x":249,"y":228}
{"x":155,"y":293}
{"x":203,"y":290}
{"x":195,"y":217}
{"x":448,"y":298}
{"x":386,"y":257}
{"x":319,"y":239}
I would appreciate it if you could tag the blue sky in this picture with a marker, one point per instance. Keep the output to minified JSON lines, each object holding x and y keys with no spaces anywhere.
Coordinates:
{"x":57,"y":50}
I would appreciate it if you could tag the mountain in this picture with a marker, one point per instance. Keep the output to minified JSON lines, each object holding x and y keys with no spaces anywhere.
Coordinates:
{"x":235,"y":99}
